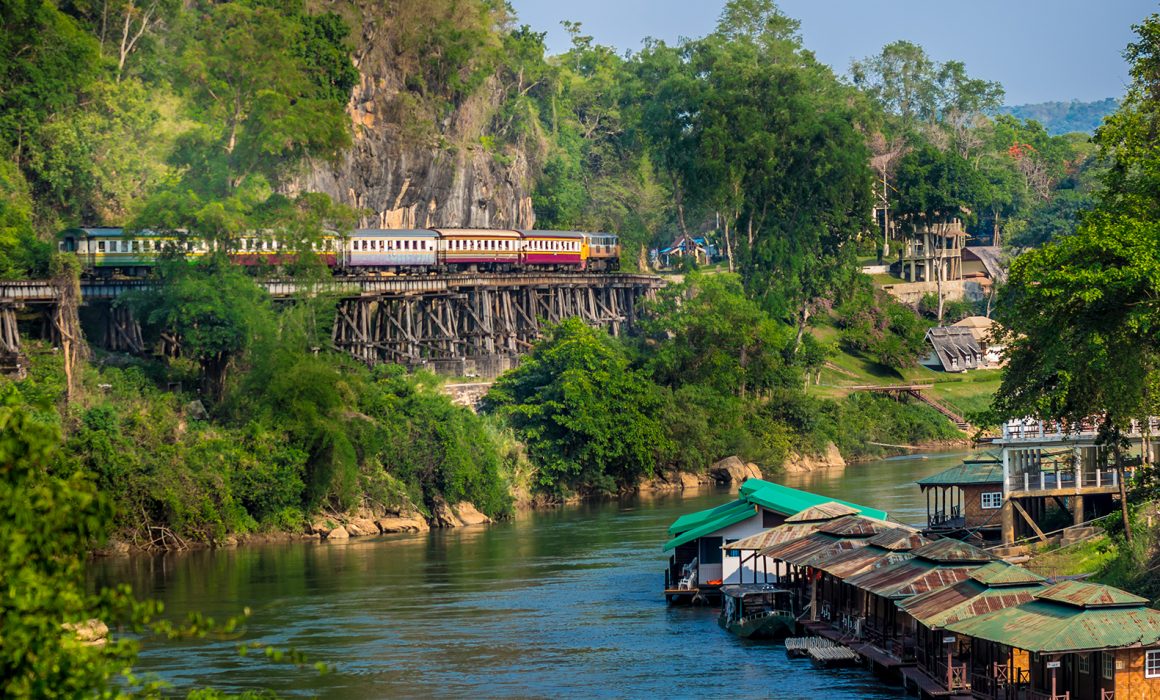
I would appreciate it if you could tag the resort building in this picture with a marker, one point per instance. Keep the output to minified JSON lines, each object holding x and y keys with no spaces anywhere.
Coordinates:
{"x":933,"y":566}
{"x":1072,"y":640}
{"x":941,"y":658}
{"x":698,"y":564}
{"x":1050,"y":469}
{"x":966,"y":499}
{"x":927,"y":251}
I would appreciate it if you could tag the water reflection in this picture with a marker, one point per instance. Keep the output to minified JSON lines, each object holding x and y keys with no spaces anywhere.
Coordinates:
{"x":557,"y":603}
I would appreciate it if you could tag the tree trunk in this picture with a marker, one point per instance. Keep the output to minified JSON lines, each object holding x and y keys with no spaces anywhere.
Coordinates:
{"x":801,"y":329}
{"x":1123,"y":494}
{"x":729,"y":248}
{"x":939,"y":278}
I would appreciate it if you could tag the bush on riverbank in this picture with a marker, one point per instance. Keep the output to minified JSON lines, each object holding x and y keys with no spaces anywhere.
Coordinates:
{"x":320,"y":433}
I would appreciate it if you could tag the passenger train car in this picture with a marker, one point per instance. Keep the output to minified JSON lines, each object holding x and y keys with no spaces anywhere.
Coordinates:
{"x":113,"y":252}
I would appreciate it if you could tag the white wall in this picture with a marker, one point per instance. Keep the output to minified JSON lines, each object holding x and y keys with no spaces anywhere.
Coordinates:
{"x":729,"y":572}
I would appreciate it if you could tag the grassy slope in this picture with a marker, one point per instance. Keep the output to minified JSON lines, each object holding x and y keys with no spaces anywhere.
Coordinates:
{"x":964,"y":393}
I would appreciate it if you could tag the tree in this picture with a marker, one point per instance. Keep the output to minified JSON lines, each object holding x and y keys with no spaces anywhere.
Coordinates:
{"x":590,"y":421}
{"x":1081,"y":319}
{"x":747,"y":124}
{"x":919,"y":91}
{"x":264,"y":107}
{"x":49,"y":519}
{"x":708,"y":332}
{"x":214,"y":311}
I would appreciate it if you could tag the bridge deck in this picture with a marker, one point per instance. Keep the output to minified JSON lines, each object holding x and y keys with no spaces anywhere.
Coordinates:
{"x":43,"y":291}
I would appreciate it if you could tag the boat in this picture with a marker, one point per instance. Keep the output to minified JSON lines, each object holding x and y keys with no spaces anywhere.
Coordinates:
{"x":756,"y":611}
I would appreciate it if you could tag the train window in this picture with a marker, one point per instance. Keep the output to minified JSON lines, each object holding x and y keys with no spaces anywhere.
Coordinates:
{"x":100,"y":246}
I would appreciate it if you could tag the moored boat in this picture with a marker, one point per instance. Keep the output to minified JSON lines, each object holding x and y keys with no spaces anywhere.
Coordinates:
{"x":756,"y":611}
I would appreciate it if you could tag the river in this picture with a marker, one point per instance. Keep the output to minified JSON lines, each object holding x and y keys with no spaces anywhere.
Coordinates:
{"x":557,"y":603}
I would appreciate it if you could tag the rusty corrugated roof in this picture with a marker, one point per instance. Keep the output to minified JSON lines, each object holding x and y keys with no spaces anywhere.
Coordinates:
{"x":1049,"y":626}
{"x":804,"y":551}
{"x":1090,"y":595}
{"x":965,"y":599}
{"x":820,"y":513}
{"x":852,"y":562}
{"x":1000,"y":573}
{"x":910,"y":577}
{"x":950,"y":550}
{"x":856,"y":526}
{"x":773,"y":536}
{"x":899,"y":539}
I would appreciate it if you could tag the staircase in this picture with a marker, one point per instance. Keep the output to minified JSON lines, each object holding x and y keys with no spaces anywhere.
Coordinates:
{"x":917,"y":391}
{"x":934,"y":403}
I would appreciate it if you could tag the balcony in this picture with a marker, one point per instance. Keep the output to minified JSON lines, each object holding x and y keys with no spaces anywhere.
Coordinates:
{"x":1087,"y":481}
{"x":1016,"y":431}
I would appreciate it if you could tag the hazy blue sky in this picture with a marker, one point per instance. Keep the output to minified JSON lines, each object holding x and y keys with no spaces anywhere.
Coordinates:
{"x":1039,"y":50}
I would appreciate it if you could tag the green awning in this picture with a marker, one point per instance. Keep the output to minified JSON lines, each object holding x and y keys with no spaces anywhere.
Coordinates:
{"x":691,"y":520}
{"x":754,"y":492}
{"x":741,"y":511}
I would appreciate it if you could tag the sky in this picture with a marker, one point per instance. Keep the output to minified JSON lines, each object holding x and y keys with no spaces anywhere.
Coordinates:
{"x":1040,"y":50}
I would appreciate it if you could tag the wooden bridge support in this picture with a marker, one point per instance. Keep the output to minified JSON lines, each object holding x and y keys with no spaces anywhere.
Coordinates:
{"x":413,"y":328}
{"x":121,"y":331}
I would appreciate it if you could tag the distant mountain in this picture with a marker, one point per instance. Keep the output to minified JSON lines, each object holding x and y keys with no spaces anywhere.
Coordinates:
{"x":1065,"y":117}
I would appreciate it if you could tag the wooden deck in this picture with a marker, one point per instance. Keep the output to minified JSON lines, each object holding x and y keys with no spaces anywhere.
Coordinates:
{"x":913,"y":677}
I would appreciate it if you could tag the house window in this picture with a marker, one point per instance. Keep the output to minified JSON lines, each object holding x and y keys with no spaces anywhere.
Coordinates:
{"x":993,"y":499}
{"x":1109,"y":663}
{"x":732,"y":552}
{"x":710,"y":550}
{"x":1083,"y":663}
{"x":1151,"y":663}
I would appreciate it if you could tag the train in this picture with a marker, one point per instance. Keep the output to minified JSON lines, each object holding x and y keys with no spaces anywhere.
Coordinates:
{"x":114,"y":252}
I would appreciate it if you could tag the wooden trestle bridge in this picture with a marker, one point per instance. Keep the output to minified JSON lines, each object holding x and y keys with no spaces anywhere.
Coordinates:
{"x":461,"y":323}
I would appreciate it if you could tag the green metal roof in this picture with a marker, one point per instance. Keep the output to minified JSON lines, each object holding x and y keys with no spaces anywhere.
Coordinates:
{"x":942,"y":606}
{"x":1090,"y":595}
{"x":689,"y":521}
{"x":951,"y":551}
{"x":753,"y":492}
{"x":1000,"y":573}
{"x":740,"y":511}
{"x":1046,"y":625}
{"x":789,"y":501}
{"x":971,"y":471}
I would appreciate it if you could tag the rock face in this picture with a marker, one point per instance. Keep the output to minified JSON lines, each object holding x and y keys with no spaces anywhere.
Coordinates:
{"x":470,"y":515}
{"x":411,"y":172}
{"x":732,"y":470}
{"x":444,"y":515}
{"x":362,"y":527}
{"x":674,"y":481}
{"x":830,"y":459}
{"x":402,"y":523}
{"x":338,"y":533}
{"x":90,"y":633}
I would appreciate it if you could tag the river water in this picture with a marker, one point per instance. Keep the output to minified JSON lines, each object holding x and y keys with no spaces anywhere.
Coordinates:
{"x":559,"y":603}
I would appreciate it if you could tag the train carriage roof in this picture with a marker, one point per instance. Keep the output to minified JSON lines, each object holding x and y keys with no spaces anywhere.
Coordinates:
{"x":477,"y":232}
{"x":394,"y":233}
{"x":531,"y":233}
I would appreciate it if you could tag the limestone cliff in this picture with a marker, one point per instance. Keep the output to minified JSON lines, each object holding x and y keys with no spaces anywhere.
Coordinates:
{"x":420,"y":171}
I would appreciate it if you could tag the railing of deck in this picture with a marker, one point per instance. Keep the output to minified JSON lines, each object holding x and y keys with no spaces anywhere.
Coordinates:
{"x":1039,"y":695}
{"x":1057,"y":430}
{"x":1063,"y":479}
{"x":941,"y":519}
{"x":1107,"y":695}
{"x":956,"y":678}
